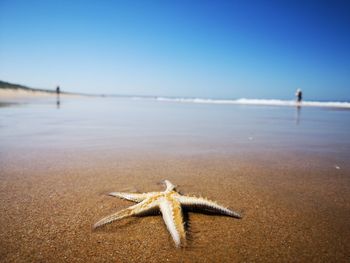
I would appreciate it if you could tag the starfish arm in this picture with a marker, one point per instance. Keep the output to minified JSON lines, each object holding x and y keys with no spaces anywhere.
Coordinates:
{"x":137,"y":209}
{"x":172,"y":216}
{"x":169,"y":186}
{"x":135,"y":197}
{"x":191,"y":201}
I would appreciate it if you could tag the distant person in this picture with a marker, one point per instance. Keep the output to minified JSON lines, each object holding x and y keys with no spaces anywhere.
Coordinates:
{"x":58,"y":91}
{"x":299,"y":95}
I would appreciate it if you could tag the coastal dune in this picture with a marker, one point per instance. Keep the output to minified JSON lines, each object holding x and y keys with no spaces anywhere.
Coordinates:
{"x":10,"y":91}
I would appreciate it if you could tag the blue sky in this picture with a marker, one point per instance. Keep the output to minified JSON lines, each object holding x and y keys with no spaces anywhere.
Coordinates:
{"x":218,"y":49}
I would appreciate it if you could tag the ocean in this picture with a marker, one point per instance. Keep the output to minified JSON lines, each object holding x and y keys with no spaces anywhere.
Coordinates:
{"x":174,"y":125}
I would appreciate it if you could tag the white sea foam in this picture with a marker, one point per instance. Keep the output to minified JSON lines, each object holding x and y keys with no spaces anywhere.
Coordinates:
{"x":266,"y":102}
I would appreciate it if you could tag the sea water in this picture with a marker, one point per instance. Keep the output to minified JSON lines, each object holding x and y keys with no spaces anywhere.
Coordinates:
{"x":107,"y":125}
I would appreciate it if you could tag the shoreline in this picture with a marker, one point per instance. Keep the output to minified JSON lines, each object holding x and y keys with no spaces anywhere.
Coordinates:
{"x":10,"y":94}
{"x":13,"y":93}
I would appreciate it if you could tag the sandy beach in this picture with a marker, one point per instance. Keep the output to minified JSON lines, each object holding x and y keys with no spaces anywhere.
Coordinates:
{"x":111,"y":110}
{"x":56,"y":173}
{"x":20,"y":93}
{"x":29,"y":95}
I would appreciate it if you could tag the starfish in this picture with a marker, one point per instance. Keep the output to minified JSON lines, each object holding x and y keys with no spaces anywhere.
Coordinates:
{"x":170,"y":203}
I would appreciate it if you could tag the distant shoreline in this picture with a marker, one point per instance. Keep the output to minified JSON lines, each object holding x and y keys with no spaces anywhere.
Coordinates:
{"x":8,"y":93}
{"x":10,"y":90}
{"x":17,"y":87}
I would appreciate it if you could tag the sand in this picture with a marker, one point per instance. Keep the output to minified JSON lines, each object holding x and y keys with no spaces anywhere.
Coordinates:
{"x":292,"y":210}
{"x":11,"y":94}
{"x":17,"y":93}
{"x":290,"y":181}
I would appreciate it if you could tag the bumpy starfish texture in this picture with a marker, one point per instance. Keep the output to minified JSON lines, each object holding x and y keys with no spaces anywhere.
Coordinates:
{"x":170,"y":203}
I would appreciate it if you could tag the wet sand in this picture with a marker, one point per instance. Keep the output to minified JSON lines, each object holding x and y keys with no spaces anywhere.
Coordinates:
{"x":289,"y":180}
{"x":290,"y":211}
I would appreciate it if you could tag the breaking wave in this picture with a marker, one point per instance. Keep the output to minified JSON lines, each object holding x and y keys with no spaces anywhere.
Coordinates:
{"x":265,"y":102}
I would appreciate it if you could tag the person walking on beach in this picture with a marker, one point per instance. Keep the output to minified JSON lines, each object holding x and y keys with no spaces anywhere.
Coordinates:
{"x":299,"y":95}
{"x":58,"y":91}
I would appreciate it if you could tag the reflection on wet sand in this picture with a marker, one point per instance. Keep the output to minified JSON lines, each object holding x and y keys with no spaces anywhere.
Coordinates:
{"x":297,"y":115}
{"x":7,"y":104}
{"x":58,"y":102}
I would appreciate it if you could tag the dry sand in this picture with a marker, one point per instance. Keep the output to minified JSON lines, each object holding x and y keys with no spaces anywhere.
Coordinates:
{"x":17,"y":93}
{"x":10,"y":94}
{"x":292,"y":211}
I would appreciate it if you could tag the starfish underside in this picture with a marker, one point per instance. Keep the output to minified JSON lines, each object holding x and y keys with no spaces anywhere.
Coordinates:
{"x":170,"y":204}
